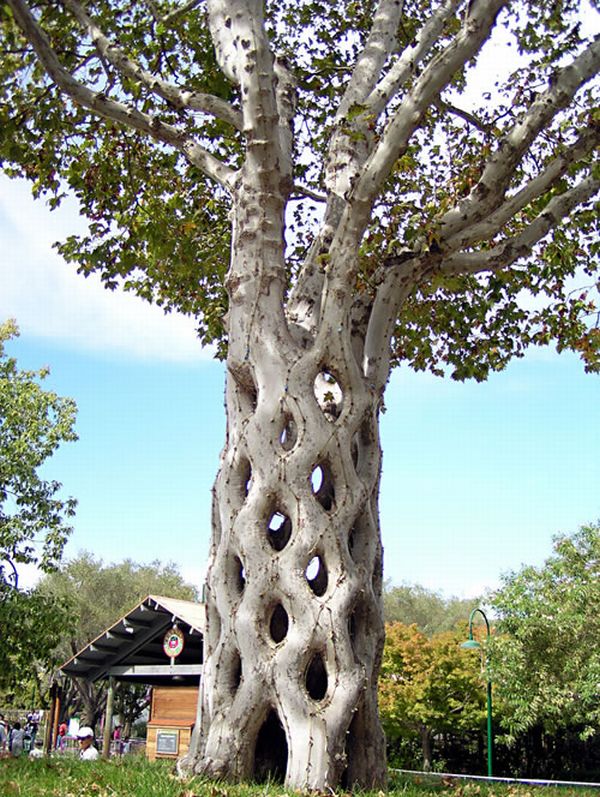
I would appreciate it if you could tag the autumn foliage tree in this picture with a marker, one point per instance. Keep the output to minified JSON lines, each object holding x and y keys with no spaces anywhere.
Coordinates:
{"x":429,"y":686}
{"x":311,"y":182}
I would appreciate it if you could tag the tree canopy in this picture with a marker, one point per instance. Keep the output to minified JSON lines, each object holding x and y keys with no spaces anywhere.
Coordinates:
{"x":545,"y":657}
{"x":34,"y":519}
{"x":99,"y":593}
{"x":467,"y":184}
{"x":430,"y":611}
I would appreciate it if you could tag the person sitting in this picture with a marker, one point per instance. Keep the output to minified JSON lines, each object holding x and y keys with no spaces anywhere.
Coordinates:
{"x":37,"y":751}
{"x":87,"y":748}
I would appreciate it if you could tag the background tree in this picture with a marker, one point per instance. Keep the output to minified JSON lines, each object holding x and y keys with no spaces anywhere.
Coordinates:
{"x":546,"y":661}
{"x":430,"y":611}
{"x":429,"y":687}
{"x":34,"y":519}
{"x":416,"y":221}
{"x":97,"y":594}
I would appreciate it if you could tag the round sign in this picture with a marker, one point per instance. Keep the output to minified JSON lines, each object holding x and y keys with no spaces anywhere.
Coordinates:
{"x":173,"y":642}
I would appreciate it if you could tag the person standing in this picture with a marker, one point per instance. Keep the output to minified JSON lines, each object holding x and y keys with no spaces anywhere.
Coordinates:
{"x":3,"y":734}
{"x":16,"y":740}
{"x":61,"y":741}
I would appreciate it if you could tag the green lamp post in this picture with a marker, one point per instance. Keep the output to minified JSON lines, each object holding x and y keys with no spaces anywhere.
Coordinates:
{"x":472,"y":644}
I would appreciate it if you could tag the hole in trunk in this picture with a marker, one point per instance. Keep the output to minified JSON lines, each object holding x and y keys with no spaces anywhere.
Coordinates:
{"x":322,"y":486}
{"x":357,"y":627}
{"x":317,"y":479}
{"x":352,"y":629}
{"x":358,"y":539}
{"x":271,"y":751}
{"x":316,"y":575}
{"x":363,"y":444}
{"x":278,"y":627}
{"x":235,"y":672}
{"x":237,"y":574}
{"x":251,"y":396}
{"x":245,"y":472}
{"x":279,"y":530}
{"x":377,"y":577}
{"x":289,"y":433}
{"x":354,"y":451}
{"x":316,"y":678}
{"x":329,"y":394}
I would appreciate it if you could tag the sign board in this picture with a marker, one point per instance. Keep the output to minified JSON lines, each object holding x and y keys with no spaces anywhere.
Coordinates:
{"x":173,"y":642}
{"x":167,"y":742}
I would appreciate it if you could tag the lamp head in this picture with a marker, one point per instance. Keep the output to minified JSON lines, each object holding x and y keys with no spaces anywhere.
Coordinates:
{"x":471,"y":644}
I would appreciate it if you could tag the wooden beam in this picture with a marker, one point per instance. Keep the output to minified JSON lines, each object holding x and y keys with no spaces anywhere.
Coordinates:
{"x":137,"y":641}
{"x":156,"y":669}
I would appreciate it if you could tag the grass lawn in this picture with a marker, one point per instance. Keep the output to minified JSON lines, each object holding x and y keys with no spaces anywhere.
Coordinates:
{"x":135,"y":777}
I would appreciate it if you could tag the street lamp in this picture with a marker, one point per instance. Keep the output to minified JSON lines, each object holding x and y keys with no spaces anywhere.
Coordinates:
{"x":472,"y":644}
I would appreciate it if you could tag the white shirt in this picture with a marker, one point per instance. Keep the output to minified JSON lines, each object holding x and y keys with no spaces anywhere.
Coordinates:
{"x":91,"y":754}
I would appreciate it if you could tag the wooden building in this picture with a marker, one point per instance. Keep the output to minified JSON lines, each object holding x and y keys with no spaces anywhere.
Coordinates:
{"x":159,"y":643}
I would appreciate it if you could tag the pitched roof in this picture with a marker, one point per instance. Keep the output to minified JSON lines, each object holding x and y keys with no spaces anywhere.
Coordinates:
{"x":131,"y":648}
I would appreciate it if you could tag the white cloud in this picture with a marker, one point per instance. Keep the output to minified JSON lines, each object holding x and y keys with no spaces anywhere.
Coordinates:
{"x":50,"y":300}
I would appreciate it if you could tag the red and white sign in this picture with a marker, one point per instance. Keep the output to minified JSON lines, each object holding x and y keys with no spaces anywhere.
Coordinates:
{"x":173,"y":642}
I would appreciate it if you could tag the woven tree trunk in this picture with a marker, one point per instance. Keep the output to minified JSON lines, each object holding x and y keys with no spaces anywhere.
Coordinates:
{"x":295,"y":629}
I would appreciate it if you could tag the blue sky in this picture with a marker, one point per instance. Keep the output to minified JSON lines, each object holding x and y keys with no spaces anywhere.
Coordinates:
{"x":476,"y":478}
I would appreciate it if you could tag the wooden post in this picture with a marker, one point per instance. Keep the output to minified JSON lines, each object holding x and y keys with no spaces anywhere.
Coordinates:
{"x":110,"y":695}
{"x":56,"y":716}
{"x":48,"y":735}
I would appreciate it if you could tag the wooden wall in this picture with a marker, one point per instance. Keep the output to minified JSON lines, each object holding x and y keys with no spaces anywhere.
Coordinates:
{"x":173,"y":710}
{"x":174,"y":703}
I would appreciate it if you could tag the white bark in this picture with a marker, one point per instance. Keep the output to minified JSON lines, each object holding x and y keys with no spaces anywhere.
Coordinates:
{"x":114,"y":110}
{"x":520,"y":246}
{"x":487,"y":195}
{"x":425,"y":91}
{"x":178,"y":97}
{"x":339,"y":526}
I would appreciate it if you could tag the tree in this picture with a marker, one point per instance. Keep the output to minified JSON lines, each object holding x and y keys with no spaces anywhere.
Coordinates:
{"x":429,"y":687}
{"x":545,"y":657}
{"x":307,"y":181}
{"x":34,"y":520}
{"x":432,"y":613}
{"x":97,"y":595}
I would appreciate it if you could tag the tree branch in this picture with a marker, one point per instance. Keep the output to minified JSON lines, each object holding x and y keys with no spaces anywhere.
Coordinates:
{"x":492,"y":224}
{"x":350,"y":141}
{"x":179,"y":12}
{"x":116,"y":111}
{"x":378,"y":47}
{"x":519,"y":246}
{"x":396,"y":286}
{"x":407,"y":63}
{"x":179,"y":98}
{"x":426,"y":90}
{"x":470,"y":118}
{"x":244,"y":54}
{"x":499,"y":170}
